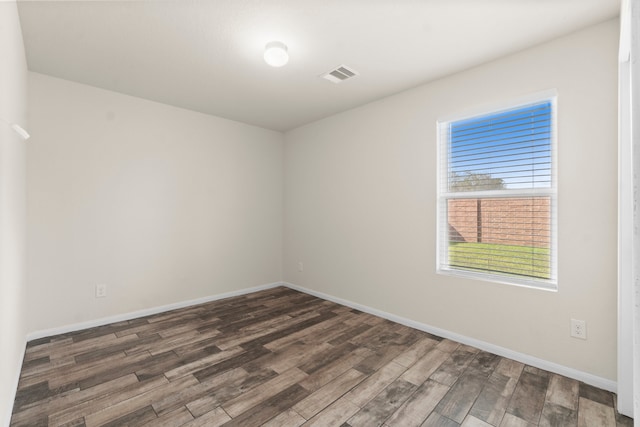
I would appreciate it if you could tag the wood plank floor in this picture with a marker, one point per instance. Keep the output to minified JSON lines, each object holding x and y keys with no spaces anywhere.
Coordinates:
{"x":283,"y":358}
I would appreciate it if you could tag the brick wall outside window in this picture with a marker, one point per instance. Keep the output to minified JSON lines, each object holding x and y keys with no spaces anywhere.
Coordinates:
{"x":508,"y":221}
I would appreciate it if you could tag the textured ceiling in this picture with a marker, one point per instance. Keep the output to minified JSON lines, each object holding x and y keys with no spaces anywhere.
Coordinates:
{"x":207,"y":55}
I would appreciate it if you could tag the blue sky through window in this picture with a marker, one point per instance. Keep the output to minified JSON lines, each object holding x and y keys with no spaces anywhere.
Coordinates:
{"x":513,"y":146}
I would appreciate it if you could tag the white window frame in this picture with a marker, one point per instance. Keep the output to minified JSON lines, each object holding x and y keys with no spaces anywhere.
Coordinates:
{"x":442,"y":265}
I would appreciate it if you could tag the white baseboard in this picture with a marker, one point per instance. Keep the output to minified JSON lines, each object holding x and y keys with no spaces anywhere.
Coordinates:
{"x":14,"y":388}
{"x":145,"y":312}
{"x":585,"y":377}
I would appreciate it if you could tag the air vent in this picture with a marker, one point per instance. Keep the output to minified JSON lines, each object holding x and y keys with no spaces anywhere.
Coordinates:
{"x":340,"y":74}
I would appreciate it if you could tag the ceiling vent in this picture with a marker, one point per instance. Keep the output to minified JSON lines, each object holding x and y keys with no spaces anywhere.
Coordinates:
{"x":340,"y":74}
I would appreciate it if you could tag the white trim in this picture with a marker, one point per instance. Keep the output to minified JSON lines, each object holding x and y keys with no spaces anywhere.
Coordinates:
{"x":585,"y":377}
{"x":634,"y":123}
{"x":14,"y":390}
{"x":628,"y":219}
{"x":625,"y":244}
{"x":624,"y":50}
{"x":145,"y":312}
{"x":506,"y":193}
{"x":503,"y":279}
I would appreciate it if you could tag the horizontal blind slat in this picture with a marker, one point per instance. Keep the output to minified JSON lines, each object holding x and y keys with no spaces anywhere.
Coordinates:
{"x":515,"y":131}
{"x":472,"y":125}
{"x":506,"y":147}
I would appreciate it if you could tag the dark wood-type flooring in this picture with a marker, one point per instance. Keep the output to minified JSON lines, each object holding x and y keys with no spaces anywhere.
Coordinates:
{"x":284,"y":358}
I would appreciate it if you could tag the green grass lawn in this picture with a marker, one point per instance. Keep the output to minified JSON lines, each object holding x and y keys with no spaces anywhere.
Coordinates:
{"x":520,"y":260}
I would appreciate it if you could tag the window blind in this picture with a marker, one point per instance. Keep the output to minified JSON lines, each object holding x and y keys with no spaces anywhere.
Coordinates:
{"x":497,"y":194}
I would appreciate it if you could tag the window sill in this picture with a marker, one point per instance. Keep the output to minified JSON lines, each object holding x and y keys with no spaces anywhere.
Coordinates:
{"x":542,"y":285}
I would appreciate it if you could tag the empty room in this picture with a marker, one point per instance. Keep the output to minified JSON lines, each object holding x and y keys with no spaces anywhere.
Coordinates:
{"x":320,"y":213}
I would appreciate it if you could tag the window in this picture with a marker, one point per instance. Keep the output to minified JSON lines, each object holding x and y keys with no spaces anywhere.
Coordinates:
{"x":497,"y":196}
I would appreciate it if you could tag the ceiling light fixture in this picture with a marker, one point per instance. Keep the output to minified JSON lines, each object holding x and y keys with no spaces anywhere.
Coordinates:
{"x":275,"y":54}
{"x":17,"y":129}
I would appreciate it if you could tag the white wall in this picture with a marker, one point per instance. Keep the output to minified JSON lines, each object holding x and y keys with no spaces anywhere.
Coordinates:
{"x":13,"y":103}
{"x":360,"y":205}
{"x":159,"y":203}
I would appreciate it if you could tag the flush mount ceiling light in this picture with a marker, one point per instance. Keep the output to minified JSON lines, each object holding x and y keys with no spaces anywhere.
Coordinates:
{"x":275,"y":54}
{"x":17,"y":129}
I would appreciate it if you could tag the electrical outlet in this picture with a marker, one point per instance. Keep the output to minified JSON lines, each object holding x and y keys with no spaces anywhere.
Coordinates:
{"x":101,"y":291}
{"x":579,"y":329}
{"x":300,"y":266}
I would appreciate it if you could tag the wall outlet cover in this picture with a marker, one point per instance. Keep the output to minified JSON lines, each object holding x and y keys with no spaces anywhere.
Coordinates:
{"x":579,"y":329}
{"x":101,"y":291}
